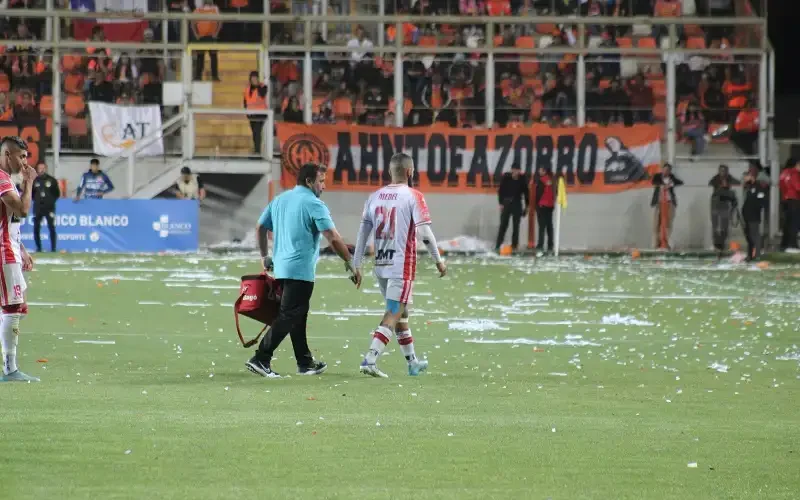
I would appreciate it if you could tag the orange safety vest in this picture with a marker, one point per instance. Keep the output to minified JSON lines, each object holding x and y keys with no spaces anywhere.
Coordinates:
{"x":747,"y":120}
{"x":253,"y":100}
{"x":206,"y":28}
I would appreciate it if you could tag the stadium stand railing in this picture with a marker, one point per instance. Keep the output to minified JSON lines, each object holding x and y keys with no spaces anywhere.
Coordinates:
{"x":455,"y":64}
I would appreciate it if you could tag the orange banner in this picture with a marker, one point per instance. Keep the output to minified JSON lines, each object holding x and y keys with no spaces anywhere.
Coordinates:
{"x":593,"y":160}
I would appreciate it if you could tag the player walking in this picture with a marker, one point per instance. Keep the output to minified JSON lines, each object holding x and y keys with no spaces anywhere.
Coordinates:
{"x":395,"y":213}
{"x":14,"y":259}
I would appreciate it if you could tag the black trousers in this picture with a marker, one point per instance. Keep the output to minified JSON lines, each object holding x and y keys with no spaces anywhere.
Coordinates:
{"x":509,"y":212}
{"x":37,"y":228}
{"x":791,"y":224}
{"x":544,"y":219}
{"x":292,"y":320}
{"x":199,"y":60}
{"x":257,"y":127}
{"x":720,"y":226}
{"x":752,"y":231}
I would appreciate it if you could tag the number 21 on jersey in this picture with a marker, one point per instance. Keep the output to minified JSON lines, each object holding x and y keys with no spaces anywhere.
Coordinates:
{"x":385,"y":218}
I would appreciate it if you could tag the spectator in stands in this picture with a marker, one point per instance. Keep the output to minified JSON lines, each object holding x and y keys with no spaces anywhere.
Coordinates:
{"x":174,"y":27}
{"x":560,"y":103}
{"x":100,"y":88}
{"x":25,"y":111}
{"x":375,"y":106}
{"x":714,"y":103}
{"x":44,"y":74}
{"x":94,"y":184}
{"x":664,"y":203}
{"x":189,"y":186}
{"x":642,"y":100}
{"x":45,"y":194}
{"x":125,"y":73}
{"x":693,"y":127}
{"x":360,"y":55}
{"x":23,"y":72}
{"x":255,"y":97}
{"x":6,"y":110}
{"x":152,"y":71}
{"x":616,"y":104}
{"x":206,"y":32}
{"x":125,"y":98}
{"x":292,"y":113}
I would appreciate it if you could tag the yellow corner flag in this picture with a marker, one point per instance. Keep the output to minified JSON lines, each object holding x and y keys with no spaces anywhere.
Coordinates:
{"x":561,"y":198}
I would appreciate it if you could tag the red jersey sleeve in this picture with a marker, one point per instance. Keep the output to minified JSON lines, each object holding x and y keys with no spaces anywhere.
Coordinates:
{"x":6,"y":184}
{"x":420,"y":210}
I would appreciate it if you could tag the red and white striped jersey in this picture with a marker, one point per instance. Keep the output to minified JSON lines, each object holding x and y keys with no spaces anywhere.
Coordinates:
{"x":394,"y":212}
{"x":10,"y":240}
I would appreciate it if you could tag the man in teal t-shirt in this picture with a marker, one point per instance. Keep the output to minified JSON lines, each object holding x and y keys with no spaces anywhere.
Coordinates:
{"x":296,"y":219}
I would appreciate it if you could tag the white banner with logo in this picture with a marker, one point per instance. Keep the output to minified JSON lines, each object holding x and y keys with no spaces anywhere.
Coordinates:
{"x":117,"y":129}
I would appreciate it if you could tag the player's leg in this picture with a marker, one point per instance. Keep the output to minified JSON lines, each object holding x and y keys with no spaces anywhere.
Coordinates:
{"x":406,"y":342}
{"x":393,"y":291}
{"x":12,"y":301}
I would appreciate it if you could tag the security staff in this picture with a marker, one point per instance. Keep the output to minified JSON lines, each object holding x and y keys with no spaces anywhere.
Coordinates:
{"x":756,"y":190}
{"x":45,"y":194}
{"x":513,"y":203}
{"x":255,"y":98}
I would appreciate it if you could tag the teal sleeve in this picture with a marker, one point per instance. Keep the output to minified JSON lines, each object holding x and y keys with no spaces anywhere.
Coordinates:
{"x":321,"y":216}
{"x":266,"y":218}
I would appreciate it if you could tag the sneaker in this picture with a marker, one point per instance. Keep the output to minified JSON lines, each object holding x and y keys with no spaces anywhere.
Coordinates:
{"x":792,"y":250}
{"x":18,"y":376}
{"x":371,"y":369}
{"x":416,"y":367}
{"x":316,"y":368}
{"x":261,"y":368}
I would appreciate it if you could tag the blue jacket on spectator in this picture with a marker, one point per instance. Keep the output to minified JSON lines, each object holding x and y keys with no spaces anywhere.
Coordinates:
{"x":94,"y":185}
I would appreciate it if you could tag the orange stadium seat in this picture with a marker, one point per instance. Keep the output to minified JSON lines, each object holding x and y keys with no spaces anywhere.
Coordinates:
{"x":74,"y":105}
{"x":46,"y":105}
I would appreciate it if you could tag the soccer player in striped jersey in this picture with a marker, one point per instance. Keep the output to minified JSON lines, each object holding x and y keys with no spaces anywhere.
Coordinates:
{"x":394,"y":215}
{"x":14,"y":259}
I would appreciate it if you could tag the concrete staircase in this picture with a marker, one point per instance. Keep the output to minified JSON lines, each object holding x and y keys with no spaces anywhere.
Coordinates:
{"x":227,"y":135}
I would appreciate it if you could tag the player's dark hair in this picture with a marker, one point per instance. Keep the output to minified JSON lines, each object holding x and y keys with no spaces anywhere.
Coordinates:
{"x":308,"y":173}
{"x":94,"y":161}
{"x":15,"y":140}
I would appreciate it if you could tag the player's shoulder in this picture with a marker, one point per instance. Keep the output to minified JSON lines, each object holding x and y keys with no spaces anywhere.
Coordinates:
{"x":5,"y":175}
{"x":416,"y":195}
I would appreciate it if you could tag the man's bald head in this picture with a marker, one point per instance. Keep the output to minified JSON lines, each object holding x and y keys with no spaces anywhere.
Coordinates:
{"x":401,"y":168}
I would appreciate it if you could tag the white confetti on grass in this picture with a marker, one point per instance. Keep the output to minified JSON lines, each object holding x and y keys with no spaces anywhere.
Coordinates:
{"x":476,"y":325}
{"x":721,"y":368}
{"x":57,"y":304}
{"x":793,"y":356}
{"x":617,"y":319}
{"x":567,"y":342}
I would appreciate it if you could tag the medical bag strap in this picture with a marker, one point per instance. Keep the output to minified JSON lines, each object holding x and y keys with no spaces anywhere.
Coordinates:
{"x":236,"y":305}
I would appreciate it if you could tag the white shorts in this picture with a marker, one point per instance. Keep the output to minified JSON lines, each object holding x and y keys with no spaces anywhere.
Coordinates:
{"x":12,"y":285}
{"x":396,"y":289}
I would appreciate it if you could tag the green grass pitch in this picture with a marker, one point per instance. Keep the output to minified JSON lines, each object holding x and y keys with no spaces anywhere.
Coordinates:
{"x":554,"y":380}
